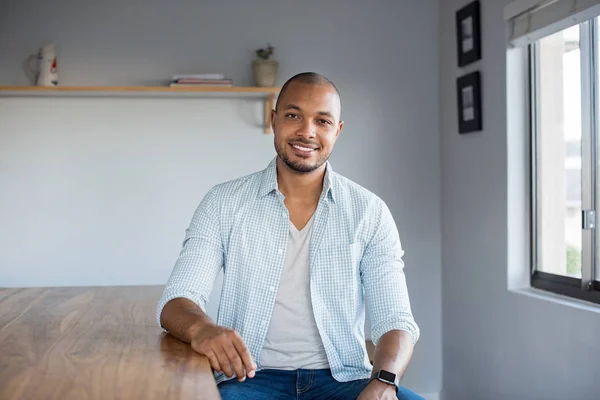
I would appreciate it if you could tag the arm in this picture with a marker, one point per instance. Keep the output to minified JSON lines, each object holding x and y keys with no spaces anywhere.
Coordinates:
{"x":184,"y":319}
{"x":224,"y":348}
{"x":200,"y":260}
{"x":394,"y":330}
{"x":181,"y":310}
{"x":393,"y":352}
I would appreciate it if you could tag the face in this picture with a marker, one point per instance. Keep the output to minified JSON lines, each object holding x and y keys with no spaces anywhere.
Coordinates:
{"x":306,"y":125}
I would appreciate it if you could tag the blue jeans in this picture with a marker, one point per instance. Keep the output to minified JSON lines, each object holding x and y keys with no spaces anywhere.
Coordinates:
{"x":302,"y":384}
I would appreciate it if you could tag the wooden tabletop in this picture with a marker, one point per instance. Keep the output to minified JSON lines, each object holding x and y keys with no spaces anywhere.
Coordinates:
{"x":94,"y":343}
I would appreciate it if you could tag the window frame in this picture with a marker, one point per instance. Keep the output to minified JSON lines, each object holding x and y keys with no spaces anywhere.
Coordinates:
{"x":588,"y":287}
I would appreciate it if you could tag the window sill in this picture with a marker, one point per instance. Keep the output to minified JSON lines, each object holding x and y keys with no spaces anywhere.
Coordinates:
{"x":558,"y":299}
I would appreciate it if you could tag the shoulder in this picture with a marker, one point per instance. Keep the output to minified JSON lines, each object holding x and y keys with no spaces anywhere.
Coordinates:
{"x":235,"y":190}
{"x":365,"y":212}
{"x":356,"y":195}
{"x":235,"y":187}
{"x":362,"y":209}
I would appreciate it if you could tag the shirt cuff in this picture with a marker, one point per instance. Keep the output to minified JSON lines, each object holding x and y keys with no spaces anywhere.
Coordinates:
{"x":399,"y":322}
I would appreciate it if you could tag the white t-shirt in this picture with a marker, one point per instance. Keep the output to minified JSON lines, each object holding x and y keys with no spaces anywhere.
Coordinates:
{"x":293,"y":340}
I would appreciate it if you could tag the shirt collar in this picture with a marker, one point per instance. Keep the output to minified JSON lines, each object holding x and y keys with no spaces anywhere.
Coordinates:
{"x":269,"y":180}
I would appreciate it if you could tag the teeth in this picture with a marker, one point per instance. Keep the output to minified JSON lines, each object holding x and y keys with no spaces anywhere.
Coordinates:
{"x":303,"y":148}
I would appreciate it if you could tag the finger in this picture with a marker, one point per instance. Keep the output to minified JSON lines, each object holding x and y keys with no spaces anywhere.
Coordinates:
{"x":246,"y":356}
{"x":236,"y":361}
{"x":224,"y":362}
{"x":214,"y":362}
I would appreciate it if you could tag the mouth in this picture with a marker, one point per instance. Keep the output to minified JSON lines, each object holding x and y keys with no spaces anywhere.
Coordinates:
{"x":303,"y":149}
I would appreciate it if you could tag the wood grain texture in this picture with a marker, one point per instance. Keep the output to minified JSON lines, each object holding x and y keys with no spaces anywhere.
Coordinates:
{"x":94,"y":343}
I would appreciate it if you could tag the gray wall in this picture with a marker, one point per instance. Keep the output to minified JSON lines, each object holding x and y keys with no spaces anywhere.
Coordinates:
{"x":98,"y":191}
{"x":498,"y":344}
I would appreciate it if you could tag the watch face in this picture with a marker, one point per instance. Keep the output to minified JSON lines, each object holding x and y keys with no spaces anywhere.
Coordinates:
{"x":388,"y":376}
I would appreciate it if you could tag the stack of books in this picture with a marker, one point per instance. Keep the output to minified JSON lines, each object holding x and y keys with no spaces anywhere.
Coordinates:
{"x":206,"y":80}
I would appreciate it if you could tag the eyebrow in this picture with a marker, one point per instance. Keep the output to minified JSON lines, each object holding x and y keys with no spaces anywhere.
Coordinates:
{"x":295,"y":107}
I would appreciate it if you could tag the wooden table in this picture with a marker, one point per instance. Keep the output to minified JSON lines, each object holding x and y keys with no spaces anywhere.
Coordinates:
{"x":94,"y":343}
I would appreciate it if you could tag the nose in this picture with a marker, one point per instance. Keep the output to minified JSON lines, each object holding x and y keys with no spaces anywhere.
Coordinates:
{"x":307,"y":129}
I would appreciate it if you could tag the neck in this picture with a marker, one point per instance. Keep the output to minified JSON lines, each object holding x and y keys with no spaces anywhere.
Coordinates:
{"x":301,"y":185}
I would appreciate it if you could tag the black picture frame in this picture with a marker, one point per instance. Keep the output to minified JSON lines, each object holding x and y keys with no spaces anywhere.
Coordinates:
{"x":468,"y":34}
{"x":468,"y":97}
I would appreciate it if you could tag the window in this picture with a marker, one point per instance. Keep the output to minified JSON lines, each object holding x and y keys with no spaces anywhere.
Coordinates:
{"x":564,"y":76}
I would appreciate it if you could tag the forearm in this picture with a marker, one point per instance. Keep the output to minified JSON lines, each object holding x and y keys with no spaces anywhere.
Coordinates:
{"x":393,"y":352}
{"x":183,"y":318}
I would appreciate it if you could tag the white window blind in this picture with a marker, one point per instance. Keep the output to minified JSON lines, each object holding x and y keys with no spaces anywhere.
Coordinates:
{"x":530,"y":20}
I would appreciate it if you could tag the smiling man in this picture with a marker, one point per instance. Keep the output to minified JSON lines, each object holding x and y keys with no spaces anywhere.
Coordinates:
{"x":302,"y":249}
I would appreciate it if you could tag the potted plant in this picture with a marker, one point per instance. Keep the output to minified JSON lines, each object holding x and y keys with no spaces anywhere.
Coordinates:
{"x":265,"y":69}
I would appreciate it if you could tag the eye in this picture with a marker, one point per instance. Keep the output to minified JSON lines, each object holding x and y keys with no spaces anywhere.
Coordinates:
{"x":325,"y":121}
{"x":291,"y":115}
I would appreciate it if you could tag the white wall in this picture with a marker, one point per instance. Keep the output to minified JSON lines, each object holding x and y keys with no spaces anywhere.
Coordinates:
{"x":99,"y":191}
{"x":497,"y":344}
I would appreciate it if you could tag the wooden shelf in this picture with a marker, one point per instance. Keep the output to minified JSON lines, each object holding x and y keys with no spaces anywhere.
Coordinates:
{"x":143,"y":89}
{"x":268,"y":93}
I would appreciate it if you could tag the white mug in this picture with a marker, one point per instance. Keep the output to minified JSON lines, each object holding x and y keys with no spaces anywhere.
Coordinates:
{"x":45,"y":71}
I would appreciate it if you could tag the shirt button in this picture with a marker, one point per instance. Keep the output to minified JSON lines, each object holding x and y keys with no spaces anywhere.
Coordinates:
{"x":280,"y":251}
{"x":272,"y":288}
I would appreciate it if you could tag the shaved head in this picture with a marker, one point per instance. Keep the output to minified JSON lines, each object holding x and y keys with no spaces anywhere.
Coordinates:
{"x":307,"y":78}
{"x":306,"y":122}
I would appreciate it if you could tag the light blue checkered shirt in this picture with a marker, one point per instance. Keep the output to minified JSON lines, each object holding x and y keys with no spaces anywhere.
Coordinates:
{"x":242,"y":226}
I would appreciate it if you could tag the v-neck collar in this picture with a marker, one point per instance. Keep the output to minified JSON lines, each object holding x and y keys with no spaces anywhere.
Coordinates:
{"x":305,"y":227}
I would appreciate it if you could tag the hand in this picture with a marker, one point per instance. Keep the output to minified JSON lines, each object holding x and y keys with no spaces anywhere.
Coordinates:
{"x":225,"y":350}
{"x":377,"y":390}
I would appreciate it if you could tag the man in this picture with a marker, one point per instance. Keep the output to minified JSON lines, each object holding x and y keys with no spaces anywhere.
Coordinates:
{"x":302,"y":248}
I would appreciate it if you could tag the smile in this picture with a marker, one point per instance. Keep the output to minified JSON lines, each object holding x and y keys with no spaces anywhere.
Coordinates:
{"x":302,"y":148}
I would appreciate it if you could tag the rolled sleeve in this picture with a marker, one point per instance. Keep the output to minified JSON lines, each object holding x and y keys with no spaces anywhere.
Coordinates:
{"x":384,"y":281}
{"x":200,"y":258}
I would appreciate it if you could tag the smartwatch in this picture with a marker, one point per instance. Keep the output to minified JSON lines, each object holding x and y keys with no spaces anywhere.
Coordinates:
{"x":387,"y":377}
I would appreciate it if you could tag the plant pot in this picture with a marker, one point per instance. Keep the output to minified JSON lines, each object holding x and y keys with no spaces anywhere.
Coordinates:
{"x":265,"y":72}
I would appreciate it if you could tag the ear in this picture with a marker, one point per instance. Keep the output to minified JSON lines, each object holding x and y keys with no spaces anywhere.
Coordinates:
{"x":339,"y":129}
{"x":273,"y":117}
